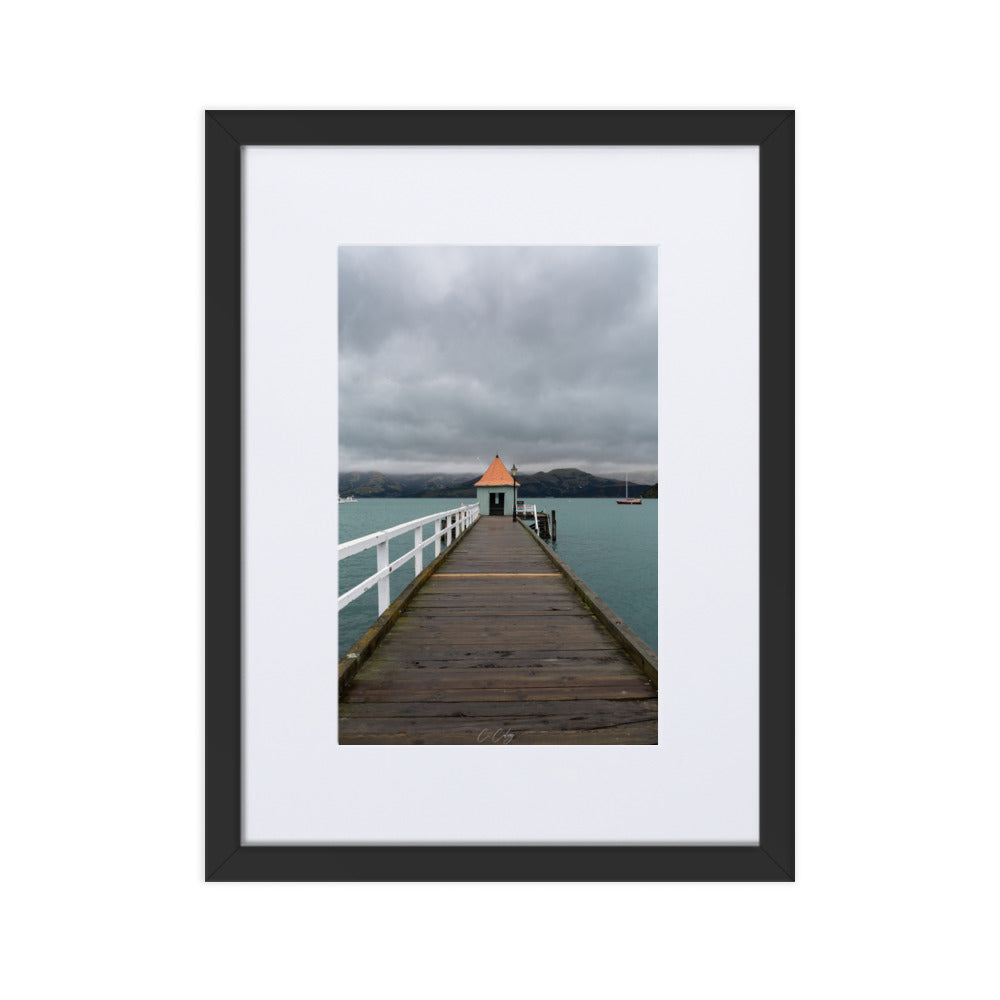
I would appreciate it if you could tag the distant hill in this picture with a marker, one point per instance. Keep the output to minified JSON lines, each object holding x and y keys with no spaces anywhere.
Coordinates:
{"x":575,"y":483}
{"x":424,"y":484}
{"x":558,"y":483}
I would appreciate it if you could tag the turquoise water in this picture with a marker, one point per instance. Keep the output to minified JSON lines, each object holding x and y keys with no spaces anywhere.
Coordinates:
{"x":609,"y":546}
{"x":612,"y":547}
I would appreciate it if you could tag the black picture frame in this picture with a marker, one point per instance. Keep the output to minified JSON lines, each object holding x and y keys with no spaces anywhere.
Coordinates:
{"x":226,"y":857}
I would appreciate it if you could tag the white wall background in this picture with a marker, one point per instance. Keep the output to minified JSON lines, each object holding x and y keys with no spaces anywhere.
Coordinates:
{"x":100,"y":390}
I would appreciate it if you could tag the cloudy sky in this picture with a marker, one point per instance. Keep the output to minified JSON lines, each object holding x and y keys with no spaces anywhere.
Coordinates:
{"x":449,"y":355}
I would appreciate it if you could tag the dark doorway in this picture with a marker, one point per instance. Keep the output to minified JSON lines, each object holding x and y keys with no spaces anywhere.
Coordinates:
{"x":496,"y":503}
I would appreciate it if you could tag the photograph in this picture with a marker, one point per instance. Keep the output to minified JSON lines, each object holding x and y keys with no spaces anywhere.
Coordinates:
{"x":498,"y":485}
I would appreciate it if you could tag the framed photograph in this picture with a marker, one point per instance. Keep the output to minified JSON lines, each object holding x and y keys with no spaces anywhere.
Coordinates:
{"x":499,"y":436}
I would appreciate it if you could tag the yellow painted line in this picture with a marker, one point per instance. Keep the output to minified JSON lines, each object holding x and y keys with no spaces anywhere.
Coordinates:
{"x":465,"y":575}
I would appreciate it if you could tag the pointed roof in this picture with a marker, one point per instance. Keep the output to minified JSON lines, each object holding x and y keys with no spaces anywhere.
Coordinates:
{"x":496,"y":475}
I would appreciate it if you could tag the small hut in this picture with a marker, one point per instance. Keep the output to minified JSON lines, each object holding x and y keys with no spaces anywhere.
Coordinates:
{"x":495,"y":490}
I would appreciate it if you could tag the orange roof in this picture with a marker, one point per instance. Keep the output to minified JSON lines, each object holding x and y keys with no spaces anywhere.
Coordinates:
{"x":496,"y":475}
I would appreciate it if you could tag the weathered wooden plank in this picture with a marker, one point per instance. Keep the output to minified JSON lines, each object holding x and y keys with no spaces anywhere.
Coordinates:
{"x":581,"y":621}
{"x":633,"y":734}
{"x":579,"y":710}
{"x":472,"y":724}
{"x":495,"y":575}
{"x":473,"y":635}
{"x":489,"y":597}
{"x":516,"y":723}
{"x":550,"y":624}
{"x":610,"y":691}
{"x":451,"y":614}
{"x":518,"y":671}
{"x":508,"y":622}
{"x":477,"y":642}
{"x":628,"y":735}
{"x":488,"y":640}
{"x":602,"y":661}
{"x":501,"y":586}
{"x":509,"y":658}
{"x":488,"y":678}
{"x":519,"y":563}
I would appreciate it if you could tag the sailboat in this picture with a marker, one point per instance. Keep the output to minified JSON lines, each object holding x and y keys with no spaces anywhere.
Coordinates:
{"x":627,"y":499}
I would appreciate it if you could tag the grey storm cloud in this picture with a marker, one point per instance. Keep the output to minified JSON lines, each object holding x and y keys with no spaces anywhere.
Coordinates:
{"x":449,"y":355}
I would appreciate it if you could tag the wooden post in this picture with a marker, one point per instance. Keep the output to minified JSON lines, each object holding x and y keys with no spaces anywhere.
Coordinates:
{"x":553,"y":515}
{"x":418,"y":556}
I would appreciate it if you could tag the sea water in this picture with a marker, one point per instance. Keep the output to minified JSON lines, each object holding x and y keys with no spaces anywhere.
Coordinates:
{"x":610,"y":546}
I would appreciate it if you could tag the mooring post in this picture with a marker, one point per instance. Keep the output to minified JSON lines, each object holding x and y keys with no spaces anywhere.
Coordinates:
{"x":553,"y":513}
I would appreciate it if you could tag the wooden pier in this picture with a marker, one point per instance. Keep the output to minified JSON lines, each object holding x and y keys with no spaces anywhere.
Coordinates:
{"x":498,"y":642}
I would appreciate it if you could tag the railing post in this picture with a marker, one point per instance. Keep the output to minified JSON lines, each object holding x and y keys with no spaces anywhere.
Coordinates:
{"x":437,"y":539}
{"x":381,"y":561}
{"x":418,"y":556}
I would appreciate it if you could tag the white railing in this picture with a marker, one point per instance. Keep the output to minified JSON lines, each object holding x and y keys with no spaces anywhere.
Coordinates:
{"x":454,"y":522}
{"x":526,"y":509}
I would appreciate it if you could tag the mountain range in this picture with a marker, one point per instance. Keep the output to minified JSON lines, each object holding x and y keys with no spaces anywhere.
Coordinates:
{"x":557,"y":483}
